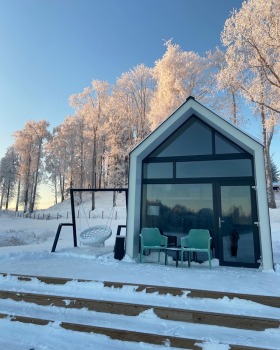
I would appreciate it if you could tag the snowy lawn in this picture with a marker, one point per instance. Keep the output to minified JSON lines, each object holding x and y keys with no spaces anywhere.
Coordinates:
{"x":26,"y":249}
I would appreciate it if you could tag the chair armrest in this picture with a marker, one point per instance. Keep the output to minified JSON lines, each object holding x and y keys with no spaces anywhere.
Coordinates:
{"x":184,"y":242}
{"x":164,"y":241}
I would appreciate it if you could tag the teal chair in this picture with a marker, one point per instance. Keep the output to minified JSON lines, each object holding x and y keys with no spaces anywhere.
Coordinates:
{"x":150,"y":238}
{"x":196,"y":241}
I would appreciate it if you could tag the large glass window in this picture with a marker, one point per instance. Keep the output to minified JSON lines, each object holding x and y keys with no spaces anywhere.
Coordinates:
{"x":214,"y":168}
{"x":176,"y":208}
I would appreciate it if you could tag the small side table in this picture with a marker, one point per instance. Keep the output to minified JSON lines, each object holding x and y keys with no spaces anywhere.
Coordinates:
{"x":172,"y":249}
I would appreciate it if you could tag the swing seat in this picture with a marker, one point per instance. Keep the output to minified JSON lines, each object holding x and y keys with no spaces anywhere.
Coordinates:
{"x":95,"y":236}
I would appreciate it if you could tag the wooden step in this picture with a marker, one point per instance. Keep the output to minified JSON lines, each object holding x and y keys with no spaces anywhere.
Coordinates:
{"x":125,"y":335}
{"x":273,"y":301}
{"x":128,"y":309}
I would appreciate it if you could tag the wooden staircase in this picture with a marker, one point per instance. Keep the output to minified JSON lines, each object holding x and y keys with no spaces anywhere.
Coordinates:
{"x":129,"y":309}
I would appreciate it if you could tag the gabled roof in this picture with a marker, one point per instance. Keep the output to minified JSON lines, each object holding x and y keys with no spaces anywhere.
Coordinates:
{"x":189,"y":108}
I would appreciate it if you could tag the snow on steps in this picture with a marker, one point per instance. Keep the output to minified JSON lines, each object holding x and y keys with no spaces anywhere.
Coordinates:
{"x":273,"y":301}
{"x":120,"y":314}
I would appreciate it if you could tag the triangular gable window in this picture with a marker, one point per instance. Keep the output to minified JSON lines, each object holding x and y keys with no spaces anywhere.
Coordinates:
{"x":224,"y":146}
{"x":195,"y":138}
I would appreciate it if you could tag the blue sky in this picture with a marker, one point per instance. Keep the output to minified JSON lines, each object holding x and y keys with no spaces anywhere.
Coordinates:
{"x":50,"y":49}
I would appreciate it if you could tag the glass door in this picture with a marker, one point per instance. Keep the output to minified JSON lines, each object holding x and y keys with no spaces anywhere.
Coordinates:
{"x":238,"y":227}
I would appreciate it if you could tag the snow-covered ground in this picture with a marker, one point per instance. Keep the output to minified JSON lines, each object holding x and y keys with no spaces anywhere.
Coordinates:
{"x":25,"y":248}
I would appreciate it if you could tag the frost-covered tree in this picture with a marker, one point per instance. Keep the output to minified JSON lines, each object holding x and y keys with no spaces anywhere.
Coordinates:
{"x":274,"y":171}
{"x":56,"y":160}
{"x":8,"y":176}
{"x":90,"y":106}
{"x":226,"y":92}
{"x":252,"y":40}
{"x":67,"y":138}
{"x":119,"y":141}
{"x":29,"y":146}
{"x":135,"y":90}
{"x":178,"y":74}
{"x":128,"y":122}
{"x":269,"y":121}
{"x":251,"y":37}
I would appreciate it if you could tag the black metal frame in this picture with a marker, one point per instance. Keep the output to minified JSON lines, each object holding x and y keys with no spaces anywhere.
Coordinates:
{"x":73,"y":224}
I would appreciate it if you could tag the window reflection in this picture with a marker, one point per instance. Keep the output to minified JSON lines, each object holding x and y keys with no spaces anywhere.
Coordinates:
{"x":177,"y":207}
{"x":238,"y":236}
{"x":214,"y":168}
{"x":224,"y":146}
{"x":193,"y":138}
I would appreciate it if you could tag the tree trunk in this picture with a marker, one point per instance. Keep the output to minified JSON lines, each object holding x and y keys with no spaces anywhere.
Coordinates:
{"x":33,"y":199}
{"x":2,"y":197}
{"x":82,"y":166}
{"x":101,"y":171}
{"x":27,"y":184}
{"x":234,"y":108}
{"x":18,"y":194}
{"x":269,"y":183}
{"x":266,"y":143}
{"x":93,"y":177}
{"x":25,"y":201}
{"x":55,"y":190}
{"x":114,"y":198}
{"x":61,"y":186}
{"x":30,"y":207}
{"x":8,"y":195}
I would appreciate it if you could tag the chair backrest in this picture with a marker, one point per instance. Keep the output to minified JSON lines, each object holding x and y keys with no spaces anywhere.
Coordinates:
{"x":198,"y":238}
{"x":151,"y":236}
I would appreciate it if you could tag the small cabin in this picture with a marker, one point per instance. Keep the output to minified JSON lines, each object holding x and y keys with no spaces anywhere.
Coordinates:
{"x":199,"y":171}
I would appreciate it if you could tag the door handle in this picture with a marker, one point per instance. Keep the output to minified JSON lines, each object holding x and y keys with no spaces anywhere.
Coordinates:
{"x":220,"y":222}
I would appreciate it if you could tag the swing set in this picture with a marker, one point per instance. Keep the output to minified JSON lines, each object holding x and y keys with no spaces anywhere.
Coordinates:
{"x":94,"y":235}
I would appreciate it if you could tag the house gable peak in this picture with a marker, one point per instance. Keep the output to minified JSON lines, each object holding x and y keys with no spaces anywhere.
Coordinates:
{"x":190,"y":98}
